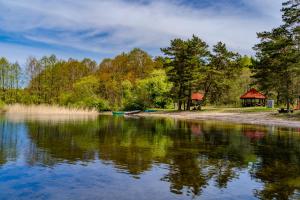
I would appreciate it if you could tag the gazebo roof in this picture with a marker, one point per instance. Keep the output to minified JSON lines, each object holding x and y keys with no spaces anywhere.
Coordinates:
{"x":253,"y":94}
{"x":197,"y":96}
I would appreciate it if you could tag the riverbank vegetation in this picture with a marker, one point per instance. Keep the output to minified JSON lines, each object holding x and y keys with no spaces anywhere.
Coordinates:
{"x":43,"y":109}
{"x":135,"y":80}
{"x":2,"y":104}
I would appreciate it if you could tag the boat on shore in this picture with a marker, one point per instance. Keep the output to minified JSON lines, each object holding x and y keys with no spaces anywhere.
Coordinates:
{"x":150,"y":111}
{"x":118,"y":113}
{"x":122,"y":113}
{"x":132,"y":112}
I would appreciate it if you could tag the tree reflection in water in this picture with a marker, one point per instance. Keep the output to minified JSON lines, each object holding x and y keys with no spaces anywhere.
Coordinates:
{"x":196,"y":154}
{"x":9,"y":141}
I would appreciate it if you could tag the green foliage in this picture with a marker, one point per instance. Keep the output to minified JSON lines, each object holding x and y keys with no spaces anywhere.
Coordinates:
{"x":49,"y":77}
{"x":183,"y":64}
{"x":84,"y":95}
{"x":192,"y":67}
{"x":92,"y":103}
{"x":277,"y":67}
{"x":118,"y":76}
{"x":100,"y":104}
{"x":135,"y":104}
{"x":2,"y":104}
{"x":221,"y":74}
{"x":155,"y":90}
{"x":149,"y":92}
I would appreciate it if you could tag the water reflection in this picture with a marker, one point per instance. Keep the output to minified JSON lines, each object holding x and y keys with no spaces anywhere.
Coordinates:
{"x":8,"y":141}
{"x":193,"y":157}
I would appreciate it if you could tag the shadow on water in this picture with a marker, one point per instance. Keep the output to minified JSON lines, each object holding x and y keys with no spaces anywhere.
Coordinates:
{"x":193,"y":156}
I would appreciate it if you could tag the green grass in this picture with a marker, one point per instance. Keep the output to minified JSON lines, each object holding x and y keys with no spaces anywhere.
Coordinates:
{"x":251,"y":110}
{"x":237,"y":110}
{"x":227,"y":109}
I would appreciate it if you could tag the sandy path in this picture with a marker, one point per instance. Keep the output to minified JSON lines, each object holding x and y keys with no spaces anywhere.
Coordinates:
{"x":263,"y":118}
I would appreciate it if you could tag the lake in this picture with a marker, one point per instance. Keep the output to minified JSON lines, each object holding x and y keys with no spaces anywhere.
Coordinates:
{"x":117,"y":158}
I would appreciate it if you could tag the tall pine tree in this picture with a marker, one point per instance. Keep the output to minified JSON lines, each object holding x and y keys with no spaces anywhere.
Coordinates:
{"x":184,"y":60}
{"x":277,"y":66}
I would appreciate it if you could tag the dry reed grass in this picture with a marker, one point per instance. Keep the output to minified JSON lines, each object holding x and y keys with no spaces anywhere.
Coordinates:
{"x":56,"y":118}
{"x":46,"y":110}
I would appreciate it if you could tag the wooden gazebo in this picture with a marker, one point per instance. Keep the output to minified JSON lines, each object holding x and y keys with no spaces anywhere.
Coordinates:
{"x":253,"y":98}
{"x":197,"y":99}
{"x":197,"y":96}
{"x":298,"y":104}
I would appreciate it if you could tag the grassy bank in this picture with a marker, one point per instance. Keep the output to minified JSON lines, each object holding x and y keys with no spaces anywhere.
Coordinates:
{"x":238,"y":110}
{"x":224,"y":110}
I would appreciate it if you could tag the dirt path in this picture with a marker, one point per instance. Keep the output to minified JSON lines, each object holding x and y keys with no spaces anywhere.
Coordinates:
{"x":263,"y":118}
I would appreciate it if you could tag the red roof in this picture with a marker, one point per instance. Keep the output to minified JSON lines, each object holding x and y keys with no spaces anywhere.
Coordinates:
{"x":253,"y":94}
{"x":197,"y":96}
{"x":254,"y":134}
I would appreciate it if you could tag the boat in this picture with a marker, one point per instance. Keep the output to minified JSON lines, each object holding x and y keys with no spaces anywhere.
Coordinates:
{"x":122,"y":113}
{"x":118,"y":113}
{"x":132,"y":112}
{"x":150,"y":111}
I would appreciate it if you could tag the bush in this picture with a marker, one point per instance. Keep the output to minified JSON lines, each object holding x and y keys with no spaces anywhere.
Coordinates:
{"x":93,"y":103}
{"x":135,"y":105}
{"x":66,"y":99}
{"x":100,"y":105}
{"x":2,"y":104}
{"x":154,"y":90}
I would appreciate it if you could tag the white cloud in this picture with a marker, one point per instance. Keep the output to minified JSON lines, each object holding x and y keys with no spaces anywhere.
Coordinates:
{"x":131,"y":25}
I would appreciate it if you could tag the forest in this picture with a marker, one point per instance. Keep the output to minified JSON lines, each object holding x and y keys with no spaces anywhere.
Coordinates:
{"x":136,"y":80}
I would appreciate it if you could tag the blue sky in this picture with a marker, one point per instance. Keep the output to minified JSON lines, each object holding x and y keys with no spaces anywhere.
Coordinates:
{"x":105,"y":28}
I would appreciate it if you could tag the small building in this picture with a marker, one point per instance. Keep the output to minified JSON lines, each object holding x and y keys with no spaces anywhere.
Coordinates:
{"x":197,"y":99}
{"x":298,"y":104}
{"x":253,"y":98}
{"x":197,"y":96}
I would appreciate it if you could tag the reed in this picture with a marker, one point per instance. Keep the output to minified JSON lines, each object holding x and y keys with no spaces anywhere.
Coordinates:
{"x":46,"y":110}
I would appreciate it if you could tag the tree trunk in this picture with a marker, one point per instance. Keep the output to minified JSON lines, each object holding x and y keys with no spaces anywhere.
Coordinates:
{"x":180,"y":97}
{"x":189,"y":100}
{"x":179,"y":105}
{"x":287,"y":95}
{"x":278,"y":98}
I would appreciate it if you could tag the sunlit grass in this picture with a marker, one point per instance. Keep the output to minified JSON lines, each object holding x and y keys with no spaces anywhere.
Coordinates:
{"x":234,"y":109}
{"x":226,"y":109}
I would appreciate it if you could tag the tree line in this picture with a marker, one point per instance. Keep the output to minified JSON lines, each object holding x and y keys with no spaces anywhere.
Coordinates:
{"x":10,"y":79}
{"x":135,"y":80}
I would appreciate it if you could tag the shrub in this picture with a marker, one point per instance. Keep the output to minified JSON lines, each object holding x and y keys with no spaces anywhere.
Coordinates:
{"x":93,"y":103}
{"x":2,"y":104}
{"x":135,"y":105}
{"x":100,"y":105}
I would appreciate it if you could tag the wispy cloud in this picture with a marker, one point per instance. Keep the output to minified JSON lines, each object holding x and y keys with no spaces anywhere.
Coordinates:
{"x":107,"y":27}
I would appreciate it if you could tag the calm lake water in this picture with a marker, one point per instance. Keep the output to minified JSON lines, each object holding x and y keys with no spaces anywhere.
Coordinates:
{"x":124,"y":158}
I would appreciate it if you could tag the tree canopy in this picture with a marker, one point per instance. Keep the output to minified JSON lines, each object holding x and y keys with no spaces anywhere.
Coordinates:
{"x":277,"y":65}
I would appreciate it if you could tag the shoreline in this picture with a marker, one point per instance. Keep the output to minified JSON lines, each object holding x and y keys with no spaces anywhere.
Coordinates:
{"x":256,"y":118}
{"x":239,"y":116}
